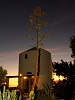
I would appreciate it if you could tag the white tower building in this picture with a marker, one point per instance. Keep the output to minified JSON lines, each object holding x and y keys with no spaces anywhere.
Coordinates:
{"x":27,"y":63}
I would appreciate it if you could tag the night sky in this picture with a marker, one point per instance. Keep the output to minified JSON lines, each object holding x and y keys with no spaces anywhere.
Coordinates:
{"x":14,"y":22}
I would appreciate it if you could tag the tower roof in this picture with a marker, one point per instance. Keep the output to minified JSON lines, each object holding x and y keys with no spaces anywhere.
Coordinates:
{"x":33,"y":49}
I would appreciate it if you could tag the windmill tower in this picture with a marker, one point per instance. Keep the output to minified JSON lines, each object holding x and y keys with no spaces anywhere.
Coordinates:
{"x":27,"y":63}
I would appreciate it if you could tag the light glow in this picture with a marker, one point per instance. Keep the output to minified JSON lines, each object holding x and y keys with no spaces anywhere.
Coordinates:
{"x":25,"y":77}
{"x":13,"y":82}
{"x":57,"y":78}
{"x":20,"y":74}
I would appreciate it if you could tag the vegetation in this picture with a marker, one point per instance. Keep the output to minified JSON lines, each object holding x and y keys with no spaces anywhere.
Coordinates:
{"x":37,"y":22}
{"x":7,"y":95}
{"x":3,"y":74}
{"x":72,"y":45}
{"x":64,"y":89}
{"x":66,"y":69}
{"x":45,"y":94}
{"x":73,"y":97}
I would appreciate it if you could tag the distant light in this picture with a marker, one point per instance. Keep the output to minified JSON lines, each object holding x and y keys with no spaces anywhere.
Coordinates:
{"x":24,"y":77}
{"x":3,"y":83}
{"x":20,"y":74}
{"x":32,"y":76}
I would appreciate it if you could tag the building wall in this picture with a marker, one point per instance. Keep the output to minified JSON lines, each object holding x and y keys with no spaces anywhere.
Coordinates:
{"x":28,"y":65}
{"x":45,"y":68}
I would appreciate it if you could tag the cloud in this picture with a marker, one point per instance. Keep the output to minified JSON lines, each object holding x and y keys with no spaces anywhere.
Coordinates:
{"x":64,"y":18}
{"x":61,"y":53}
{"x":52,"y":49}
{"x":11,"y":54}
{"x":57,"y":48}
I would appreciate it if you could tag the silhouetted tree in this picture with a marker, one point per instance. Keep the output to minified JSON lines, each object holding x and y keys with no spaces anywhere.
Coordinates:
{"x":61,"y":68}
{"x":72,"y":45}
{"x":66,"y":69}
{"x":3,"y":74}
{"x":64,"y":89}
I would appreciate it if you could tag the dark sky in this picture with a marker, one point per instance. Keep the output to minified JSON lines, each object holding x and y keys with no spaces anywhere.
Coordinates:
{"x":14,"y":22}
